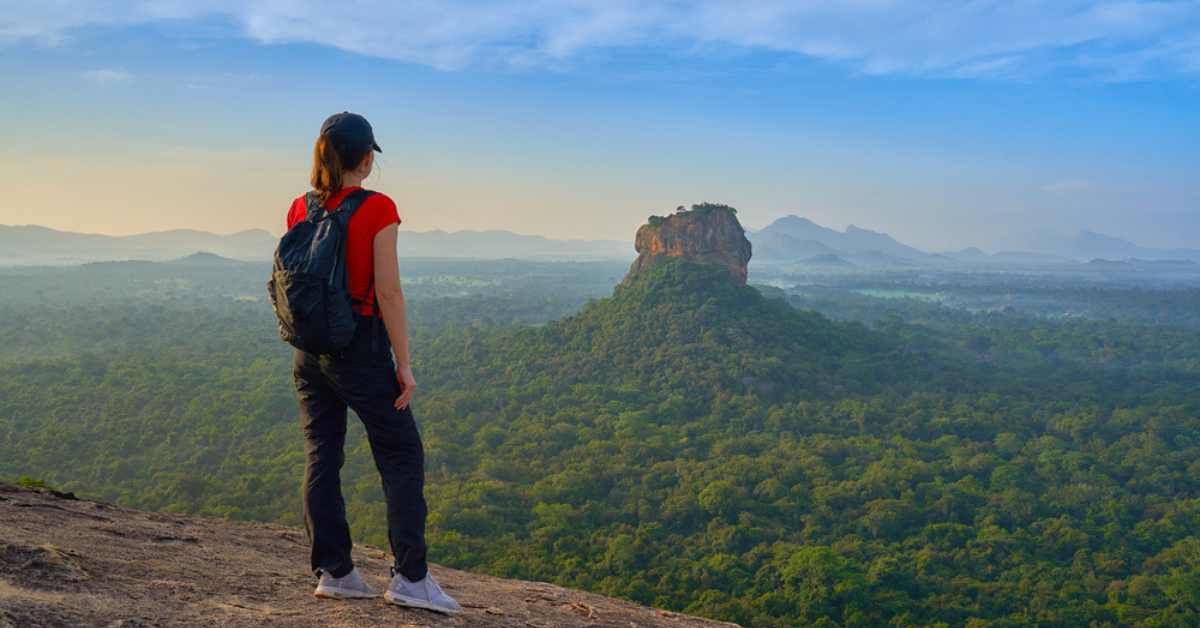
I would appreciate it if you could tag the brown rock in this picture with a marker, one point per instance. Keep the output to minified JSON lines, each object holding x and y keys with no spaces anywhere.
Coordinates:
{"x":79,"y":563}
{"x":705,"y":234}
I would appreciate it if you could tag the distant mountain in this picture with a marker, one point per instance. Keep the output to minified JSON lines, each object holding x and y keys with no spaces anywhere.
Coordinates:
{"x":1008,"y":258}
{"x":798,"y":228}
{"x":29,"y":245}
{"x":26,"y":245}
{"x":790,"y":239}
{"x":1107,"y":264}
{"x":782,"y":247}
{"x":969,"y":254}
{"x":204,"y":258}
{"x":1134,"y":264}
{"x":1087,"y":245}
{"x":1046,"y":248}
{"x":793,"y":238}
{"x":826,"y":260}
{"x":1182,"y":263}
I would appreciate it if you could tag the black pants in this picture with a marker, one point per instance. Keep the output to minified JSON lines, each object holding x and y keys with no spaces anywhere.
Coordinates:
{"x":363,"y":378}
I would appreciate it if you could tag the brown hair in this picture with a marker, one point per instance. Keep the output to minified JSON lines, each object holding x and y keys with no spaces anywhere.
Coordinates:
{"x":331,"y":160}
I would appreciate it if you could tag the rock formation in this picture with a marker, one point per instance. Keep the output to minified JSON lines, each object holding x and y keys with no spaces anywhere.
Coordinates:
{"x":705,"y":234}
{"x":70,"y":562}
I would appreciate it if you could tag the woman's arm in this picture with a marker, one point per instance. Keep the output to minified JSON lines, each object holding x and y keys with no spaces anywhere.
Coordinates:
{"x":389,"y":302}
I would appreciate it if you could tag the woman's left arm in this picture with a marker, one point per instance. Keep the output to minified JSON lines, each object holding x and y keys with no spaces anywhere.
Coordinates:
{"x":389,"y":301}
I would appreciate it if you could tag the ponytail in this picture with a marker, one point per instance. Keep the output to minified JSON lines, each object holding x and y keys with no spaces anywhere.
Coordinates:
{"x":330,"y":159}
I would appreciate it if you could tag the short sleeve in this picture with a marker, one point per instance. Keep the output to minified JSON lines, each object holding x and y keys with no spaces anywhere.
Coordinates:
{"x":296,"y":212}
{"x":382,"y":211}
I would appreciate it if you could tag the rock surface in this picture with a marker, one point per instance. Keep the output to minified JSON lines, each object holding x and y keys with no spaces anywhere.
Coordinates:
{"x":68,"y":562}
{"x":705,"y":234}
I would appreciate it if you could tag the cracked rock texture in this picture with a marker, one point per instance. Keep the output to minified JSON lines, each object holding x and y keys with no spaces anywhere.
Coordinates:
{"x":70,"y":562}
{"x":705,"y":234}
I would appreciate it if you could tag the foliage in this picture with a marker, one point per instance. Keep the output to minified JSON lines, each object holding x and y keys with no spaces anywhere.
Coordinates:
{"x":713,"y":207}
{"x":29,"y":482}
{"x":687,"y":443}
{"x":699,"y":208}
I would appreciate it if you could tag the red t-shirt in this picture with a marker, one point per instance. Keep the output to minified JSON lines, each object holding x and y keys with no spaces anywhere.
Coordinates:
{"x":377,"y":212}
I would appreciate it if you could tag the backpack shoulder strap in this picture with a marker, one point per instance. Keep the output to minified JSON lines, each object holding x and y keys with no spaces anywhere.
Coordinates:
{"x":313,"y":209}
{"x":352,"y":202}
{"x":317,"y":212}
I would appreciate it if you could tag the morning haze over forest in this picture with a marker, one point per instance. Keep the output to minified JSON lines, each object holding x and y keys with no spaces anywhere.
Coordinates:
{"x":774,"y":313}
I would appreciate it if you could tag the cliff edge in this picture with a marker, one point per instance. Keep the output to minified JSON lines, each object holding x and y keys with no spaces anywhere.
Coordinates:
{"x":70,"y":562}
{"x":705,"y":234}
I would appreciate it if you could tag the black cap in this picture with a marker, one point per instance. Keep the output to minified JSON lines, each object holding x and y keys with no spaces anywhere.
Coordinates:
{"x":351,"y":128}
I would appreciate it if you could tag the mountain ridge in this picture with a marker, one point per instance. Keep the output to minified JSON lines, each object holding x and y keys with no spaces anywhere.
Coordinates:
{"x":794,"y":238}
{"x":790,"y":238}
{"x":1087,"y":244}
{"x":38,"y":245}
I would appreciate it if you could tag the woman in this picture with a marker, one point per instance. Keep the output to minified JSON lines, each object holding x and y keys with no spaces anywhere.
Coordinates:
{"x":372,"y":376}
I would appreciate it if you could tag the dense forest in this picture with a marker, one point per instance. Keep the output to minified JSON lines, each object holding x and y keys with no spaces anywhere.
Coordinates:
{"x":685,"y":442}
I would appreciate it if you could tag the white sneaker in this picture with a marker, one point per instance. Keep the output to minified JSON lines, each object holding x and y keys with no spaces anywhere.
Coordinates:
{"x":349,"y":586}
{"x":425,"y":593}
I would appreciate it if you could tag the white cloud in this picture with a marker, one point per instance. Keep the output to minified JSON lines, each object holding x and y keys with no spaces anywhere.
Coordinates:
{"x":107,"y":76}
{"x":1106,"y":39}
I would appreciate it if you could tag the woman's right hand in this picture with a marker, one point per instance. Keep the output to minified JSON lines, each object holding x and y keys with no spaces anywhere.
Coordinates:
{"x":404,"y":375}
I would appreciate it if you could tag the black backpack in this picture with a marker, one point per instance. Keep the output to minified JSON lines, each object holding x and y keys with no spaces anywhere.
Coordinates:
{"x":308,"y":286}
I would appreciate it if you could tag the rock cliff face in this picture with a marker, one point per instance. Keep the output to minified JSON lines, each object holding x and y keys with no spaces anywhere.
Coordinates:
{"x":70,"y":562}
{"x":705,"y":234}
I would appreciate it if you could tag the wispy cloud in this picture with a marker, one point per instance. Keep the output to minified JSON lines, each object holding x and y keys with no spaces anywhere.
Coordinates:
{"x":107,"y":76}
{"x":209,"y":81}
{"x":1104,"y":39}
{"x":1067,"y":186}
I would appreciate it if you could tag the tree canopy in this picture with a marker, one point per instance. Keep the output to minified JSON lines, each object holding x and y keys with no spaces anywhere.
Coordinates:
{"x":688,"y":443}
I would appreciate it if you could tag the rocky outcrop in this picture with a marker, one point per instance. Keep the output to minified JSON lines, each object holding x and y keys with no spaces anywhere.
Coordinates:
{"x":705,"y":234}
{"x":70,"y":562}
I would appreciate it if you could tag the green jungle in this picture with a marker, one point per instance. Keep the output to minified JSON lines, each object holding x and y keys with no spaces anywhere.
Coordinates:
{"x":863,"y":450}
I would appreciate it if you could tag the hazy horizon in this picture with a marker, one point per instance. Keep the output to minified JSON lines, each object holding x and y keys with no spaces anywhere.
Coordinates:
{"x":943,"y":127}
{"x":1020,"y":242}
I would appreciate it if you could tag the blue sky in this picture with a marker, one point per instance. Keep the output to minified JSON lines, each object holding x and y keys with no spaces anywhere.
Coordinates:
{"x":947,"y":124}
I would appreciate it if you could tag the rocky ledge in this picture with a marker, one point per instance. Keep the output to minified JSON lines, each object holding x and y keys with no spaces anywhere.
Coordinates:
{"x":70,"y":562}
